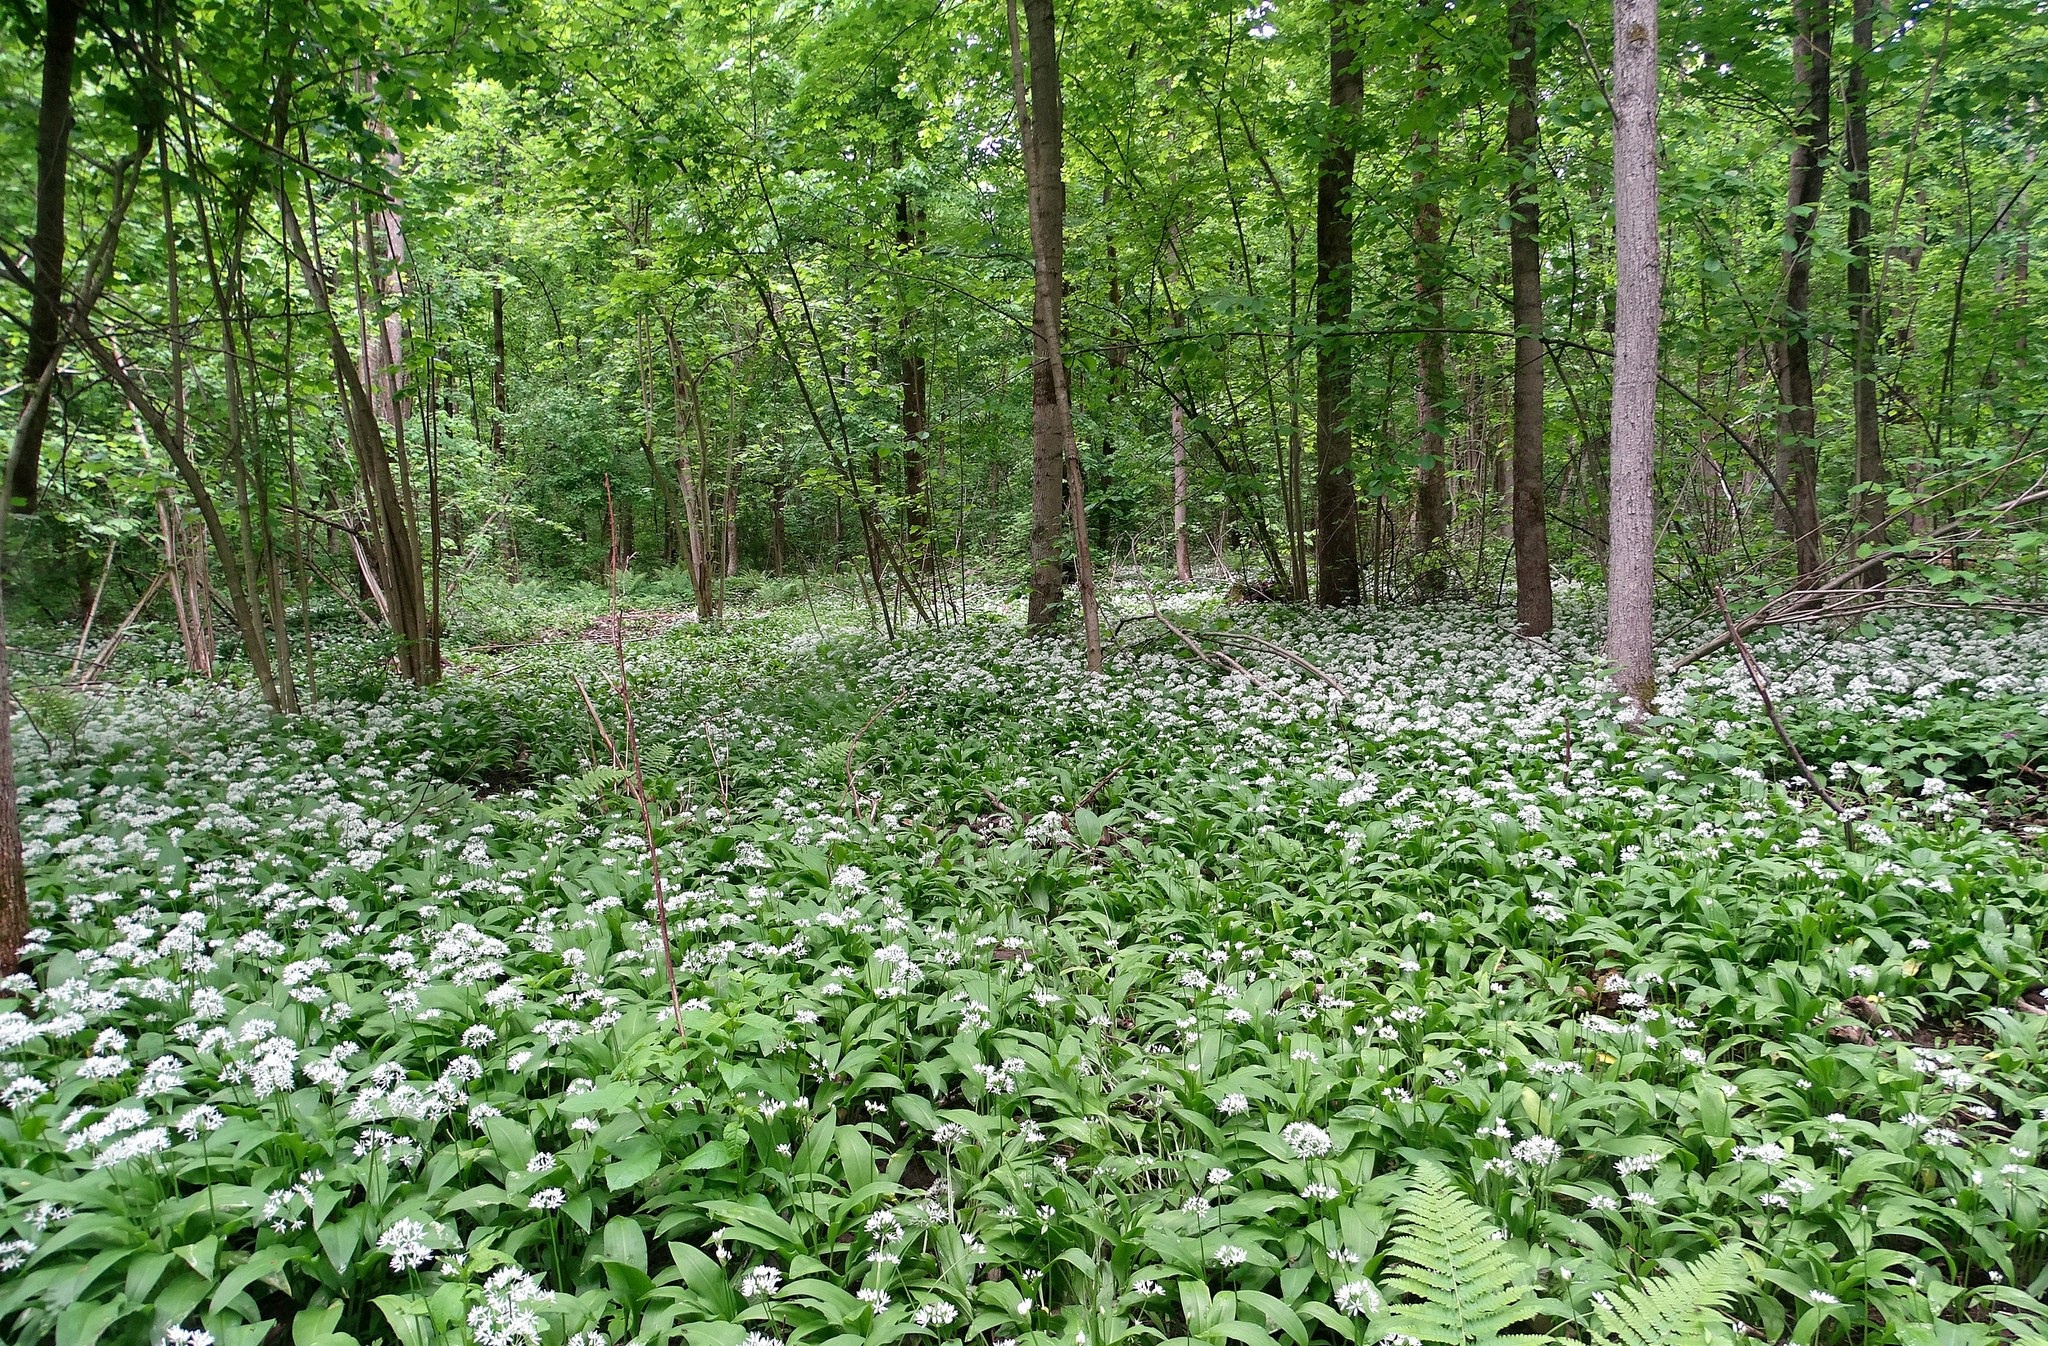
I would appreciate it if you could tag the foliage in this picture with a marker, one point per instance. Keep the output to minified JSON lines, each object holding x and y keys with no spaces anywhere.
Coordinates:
{"x":1174,"y":1005}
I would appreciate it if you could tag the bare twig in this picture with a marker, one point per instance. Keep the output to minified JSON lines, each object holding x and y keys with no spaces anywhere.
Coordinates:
{"x":854,"y":742}
{"x":105,"y":658}
{"x":1089,"y":797}
{"x":598,"y":723}
{"x":1763,"y":692}
{"x":668,"y":956}
{"x":85,"y":633}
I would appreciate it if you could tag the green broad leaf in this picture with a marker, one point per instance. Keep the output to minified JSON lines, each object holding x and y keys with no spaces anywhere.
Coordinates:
{"x":409,"y":1318}
{"x":625,"y":1242}
{"x":637,"y":1159}
{"x":84,"y":1324}
{"x":711,"y":1155}
{"x":265,"y":1264}
{"x":340,"y":1239}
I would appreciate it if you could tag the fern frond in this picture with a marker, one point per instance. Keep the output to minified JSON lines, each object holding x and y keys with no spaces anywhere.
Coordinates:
{"x":592,"y":783}
{"x":1463,"y":1286}
{"x":1675,"y":1309}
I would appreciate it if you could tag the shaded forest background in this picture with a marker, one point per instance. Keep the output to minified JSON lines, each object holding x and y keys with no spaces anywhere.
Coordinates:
{"x":359,"y":304}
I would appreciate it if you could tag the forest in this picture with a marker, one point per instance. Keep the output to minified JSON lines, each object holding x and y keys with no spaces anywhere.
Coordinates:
{"x":1173,"y":672}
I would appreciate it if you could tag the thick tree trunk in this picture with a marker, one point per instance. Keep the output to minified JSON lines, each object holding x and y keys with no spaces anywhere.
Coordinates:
{"x":1336,"y":491}
{"x":1533,"y":614}
{"x":1432,"y":496}
{"x":1048,"y":247}
{"x":46,"y":251}
{"x":1867,"y":322}
{"x":1638,"y":315}
{"x":1183,"y":566}
{"x":1798,"y":450}
{"x":1041,"y":121}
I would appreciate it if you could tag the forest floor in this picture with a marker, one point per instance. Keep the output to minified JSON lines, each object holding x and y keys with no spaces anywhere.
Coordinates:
{"x":1260,"y":1004}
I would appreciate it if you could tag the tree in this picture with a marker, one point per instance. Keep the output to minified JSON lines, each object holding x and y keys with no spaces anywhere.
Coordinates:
{"x":1337,"y":580}
{"x":1638,"y":316}
{"x":1864,"y":318}
{"x":46,"y":251}
{"x":1055,"y":457}
{"x":1432,"y":484}
{"x":1798,"y":448}
{"x":1525,"y":266}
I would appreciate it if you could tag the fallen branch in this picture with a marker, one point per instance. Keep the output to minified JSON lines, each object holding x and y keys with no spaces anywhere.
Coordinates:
{"x":1756,"y":678}
{"x":105,"y":658}
{"x":854,"y":742}
{"x":602,"y":732}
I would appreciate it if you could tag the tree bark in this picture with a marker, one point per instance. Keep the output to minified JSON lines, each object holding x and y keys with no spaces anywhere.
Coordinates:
{"x":778,"y":544}
{"x":1533,"y":612}
{"x":916,"y":402}
{"x":1336,"y":490}
{"x":1432,"y":496}
{"x":395,"y":538}
{"x":1638,"y":315}
{"x":498,"y":403}
{"x":1871,"y":506}
{"x":1036,"y":104}
{"x":1183,"y":564}
{"x":46,"y":249}
{"x":689,"y":415}
{"x":1041,"y":122}
{"x":1798,"y":450}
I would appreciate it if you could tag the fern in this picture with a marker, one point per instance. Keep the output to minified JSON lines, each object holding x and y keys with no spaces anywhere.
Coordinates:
{"x":1675,"y":1309}
{"x":1463,"y":1283}
{"x":1463,"y":1288}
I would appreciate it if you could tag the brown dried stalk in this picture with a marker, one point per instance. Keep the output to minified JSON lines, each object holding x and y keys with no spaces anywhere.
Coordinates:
{"x":611,"y":572}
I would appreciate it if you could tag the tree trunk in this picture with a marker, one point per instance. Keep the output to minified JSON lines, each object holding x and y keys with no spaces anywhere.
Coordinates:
{"x":1336,"y":491}
{"x":689,"y":415}
{"x":46,"y":251}
{"x":1048,"y":248}
{"x":1798,"y":449}
{"x":1871,"y":505}
{"x":778,"y":543}
{"x":394,"y":539}
{"x":1638,"y":314}
{"x":1183,"y":567}
{"x":13,"y":872}
{"x":1432,"y":498}
{"x":1041,"y":122}
{"x":1533,"y":614}
{"x":497,"y":372}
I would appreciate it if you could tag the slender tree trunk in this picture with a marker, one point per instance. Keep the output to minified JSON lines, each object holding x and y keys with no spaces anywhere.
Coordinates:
{"x":1798,"y":450}
{"x":498,"y":403}
{"x":778,"y":537}
{"x":13,"y":872}
{"x":1337,"y":583}
{"x":1525,"y":263}
{"x":689,"y":415}
{"x":1041,"y":121}
{"x":1432,"y":496}
{"x":1864,"y":317}
{"x":393,"y":533}
{"x":1183,"y":566}
{"x":46,"y":252}
{"x":915,"y":410}
{"x":1638,"y":314}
